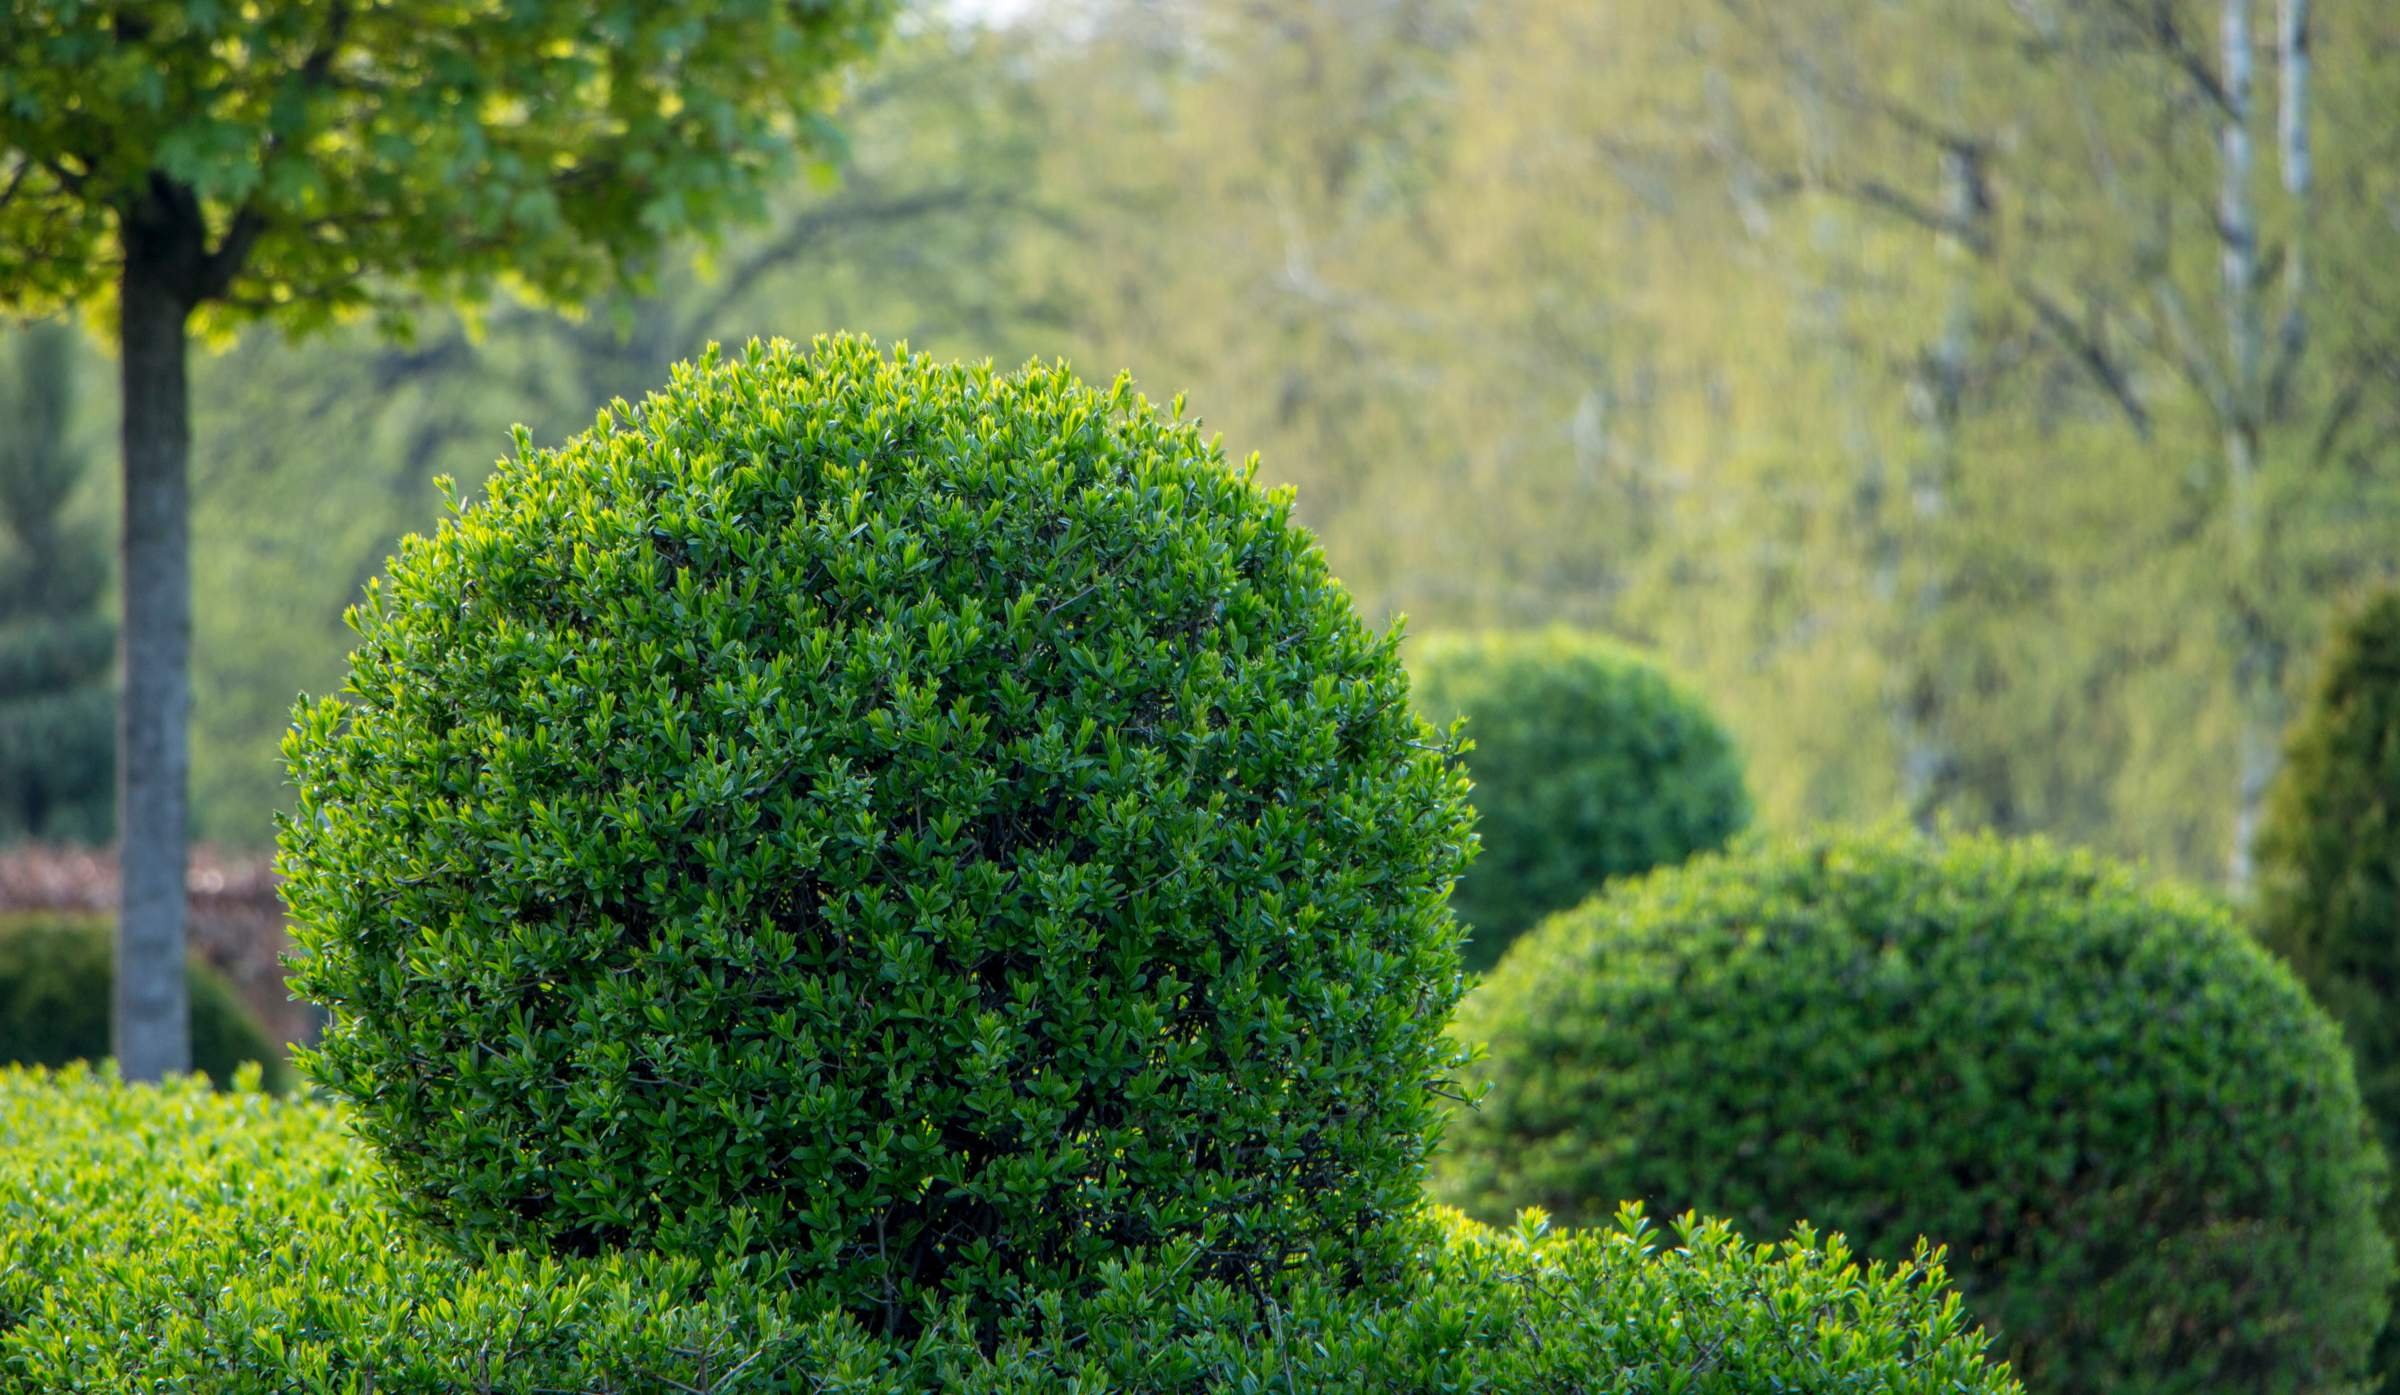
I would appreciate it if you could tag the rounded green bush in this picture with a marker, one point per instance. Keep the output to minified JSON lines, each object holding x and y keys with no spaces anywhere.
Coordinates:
{"x":2139,"y":1140}
{"x":170,"y":1239}
{"x":2329,"y":864}
{"x":947,"y":828}
{"x":1589,"y":763}
{"x":55,"y":972}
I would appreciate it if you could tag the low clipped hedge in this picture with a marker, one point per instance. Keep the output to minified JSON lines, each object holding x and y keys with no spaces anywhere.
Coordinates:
{"x":2139,"y":1139}
{"x":1589,"y":763}
{"x":55,"y":973}
{"x":238,"y":1244}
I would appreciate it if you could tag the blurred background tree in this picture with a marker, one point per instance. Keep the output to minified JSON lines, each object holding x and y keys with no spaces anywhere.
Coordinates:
{"x":1875,"y":363}
{"x":57,"y":645}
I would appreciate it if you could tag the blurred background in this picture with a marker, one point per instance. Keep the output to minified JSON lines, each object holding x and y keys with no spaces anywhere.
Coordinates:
{"x":1986,"y":405}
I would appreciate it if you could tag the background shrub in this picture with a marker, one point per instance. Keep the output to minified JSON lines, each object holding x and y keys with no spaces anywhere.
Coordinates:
{"x":944,"y":825}
{"x":233,"y":1244}
{"x":2329,"y":864}
{"x":1588,"y":762}
{"x":2138,"y":1138}
{"x":54,"y":998}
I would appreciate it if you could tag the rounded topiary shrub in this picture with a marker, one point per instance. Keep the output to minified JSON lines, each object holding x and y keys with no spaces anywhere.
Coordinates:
{"x":946,"y":828}
{"x":1589,"y":763}
{"x":55,"y":972}
{"x":2329,"y":863}
{"x":2139,"y":1140}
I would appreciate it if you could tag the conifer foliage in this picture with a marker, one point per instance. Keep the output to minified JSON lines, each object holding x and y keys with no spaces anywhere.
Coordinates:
{"x":56,"y":642}
{"x":2329,"y":863}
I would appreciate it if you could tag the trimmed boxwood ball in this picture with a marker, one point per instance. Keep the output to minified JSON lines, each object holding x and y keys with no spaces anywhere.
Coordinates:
{"x":946,"y":828}
{"x":1589,"y":763}
{"x":2138,"y":1138}
{"x":2329,"y":864}
{"x":55,"y":972}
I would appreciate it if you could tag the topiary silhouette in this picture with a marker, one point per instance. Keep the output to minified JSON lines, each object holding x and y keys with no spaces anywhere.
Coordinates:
{"x":946,"y":828}
{"x":1589,"y":763}
{"x":2140,"y":1141}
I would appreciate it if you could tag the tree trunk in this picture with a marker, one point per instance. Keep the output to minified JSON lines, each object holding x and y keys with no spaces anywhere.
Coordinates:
{"x":1929,"y":766}
{"x":151,"y":1023}
{"x":2257,"y":676}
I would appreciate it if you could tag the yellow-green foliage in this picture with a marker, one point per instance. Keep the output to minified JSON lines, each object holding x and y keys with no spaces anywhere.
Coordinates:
{"x":171,"y":1239}
{"x":54,"y":1002}
{"x":2140,"y":1141}
{"x":1589,"y":763}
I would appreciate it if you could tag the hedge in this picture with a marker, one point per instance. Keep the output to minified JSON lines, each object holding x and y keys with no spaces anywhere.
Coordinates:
{"x":237,"y":1244}
{"x":2140,"y":1141}
{"x":54,"y":1001}
{"x":1589,"y":763}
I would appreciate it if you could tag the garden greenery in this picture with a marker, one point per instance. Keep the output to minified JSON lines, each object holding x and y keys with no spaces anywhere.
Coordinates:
{"x":235,"y":1244}
{"x":2139,"y":1140}
{"x":859,"y":877}
{"x":2329,"y":864}
{"x":54,"y":977}
{"x":947,"y":827}
{"x":1589,"y":763}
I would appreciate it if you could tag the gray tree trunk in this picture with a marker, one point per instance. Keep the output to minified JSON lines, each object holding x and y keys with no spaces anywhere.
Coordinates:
{"x":2257,"y":674}
{"x":1928,"y":760}
{"x":151,"y":1027}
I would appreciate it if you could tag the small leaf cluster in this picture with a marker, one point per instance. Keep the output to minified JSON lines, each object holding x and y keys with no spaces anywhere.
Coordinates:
{"x":2329,"y":862}
{"x":170,"y":1238}
{"x":55,"y":972}
{"x":1589,"y":763}
{"x":946,"y":827}
{"x":2139,"y":1140}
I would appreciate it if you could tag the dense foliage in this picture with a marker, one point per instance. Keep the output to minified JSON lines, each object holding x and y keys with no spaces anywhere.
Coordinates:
{"x":2140,"y":1141}
{"x":949,"y":824}
{"x":1589,"y":763}
{"x":2329,"y":862}
{"x":54,"y":975}
{"x":330,"y":156}
{"x":57,"y":717}
{"x":169,"y":1239}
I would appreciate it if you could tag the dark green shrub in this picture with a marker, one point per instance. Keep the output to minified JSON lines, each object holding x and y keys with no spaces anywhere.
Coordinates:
{"x":54,"y":1000}
{"x":948,"y":827}
{"x":1589,"y":763}
{"x":237,"y":1245}
{"x":2138,"y":1138}
{"x":2329,"y":864}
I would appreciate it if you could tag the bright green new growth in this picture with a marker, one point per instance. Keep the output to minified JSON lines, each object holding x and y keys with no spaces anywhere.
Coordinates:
{"x":2139,"y":1140}
{"x":2329,"y":862}
{"x":1589,"y":763}
{"x":947,"y":827}
{"x":54,"y":975}
{"x":170,"y":1239}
